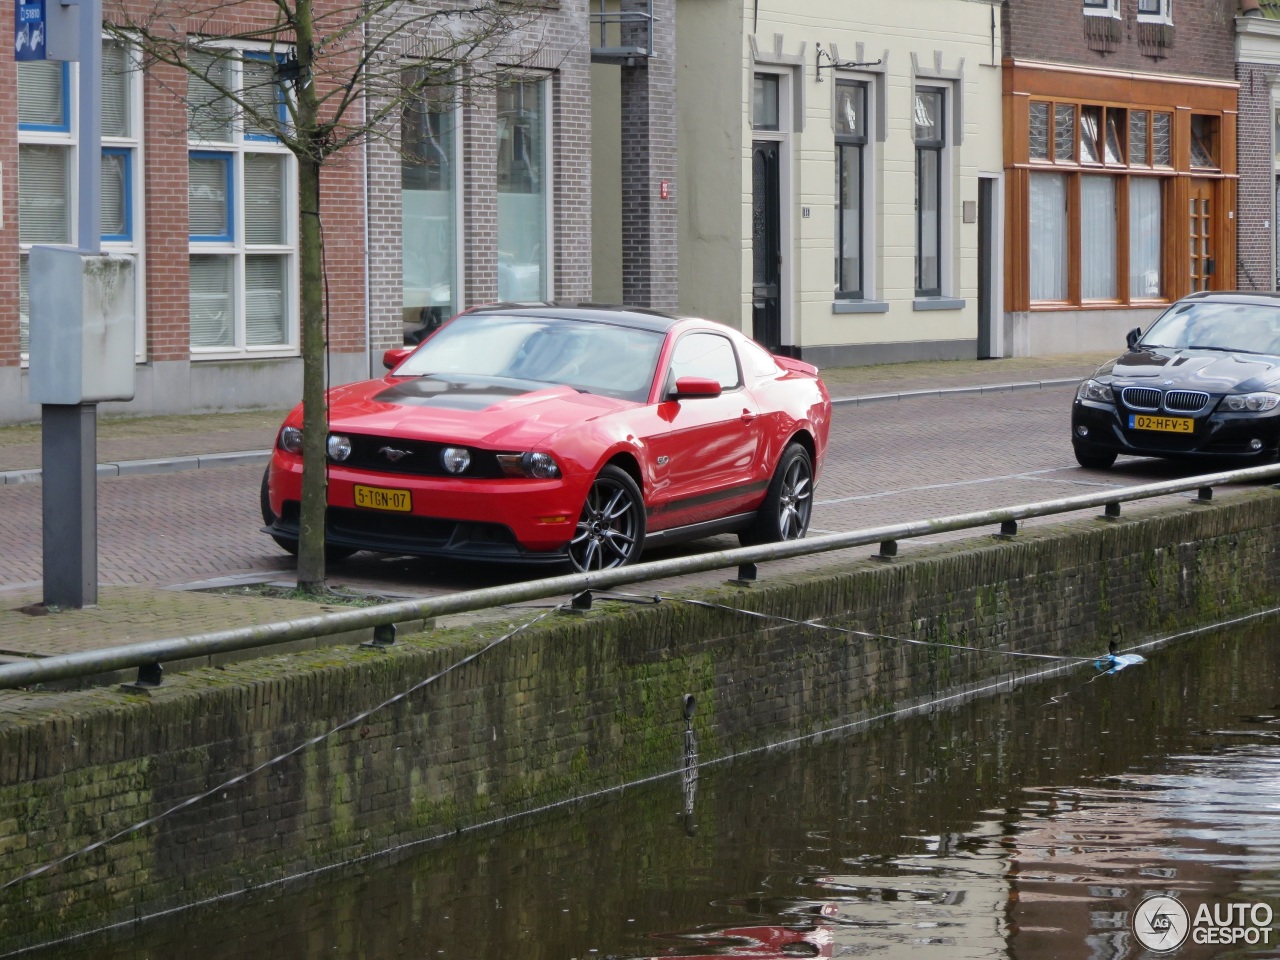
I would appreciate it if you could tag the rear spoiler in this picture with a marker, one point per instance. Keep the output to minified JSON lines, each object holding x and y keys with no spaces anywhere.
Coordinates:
{"x":797,"y":366}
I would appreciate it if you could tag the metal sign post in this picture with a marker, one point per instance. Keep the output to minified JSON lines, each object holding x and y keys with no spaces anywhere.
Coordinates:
{"x":70,"y":30}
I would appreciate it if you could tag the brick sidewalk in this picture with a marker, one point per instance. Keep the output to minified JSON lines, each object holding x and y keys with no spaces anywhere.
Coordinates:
{"x":130,"y":614}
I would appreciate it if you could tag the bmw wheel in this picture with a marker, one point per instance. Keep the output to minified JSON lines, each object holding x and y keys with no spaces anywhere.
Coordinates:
{"x":784,"y":515}
{"x":1094,"y":458}
{"x":610,"y":531}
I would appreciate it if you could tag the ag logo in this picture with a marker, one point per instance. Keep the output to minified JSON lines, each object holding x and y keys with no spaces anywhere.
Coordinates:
{"x":1161,"y":923}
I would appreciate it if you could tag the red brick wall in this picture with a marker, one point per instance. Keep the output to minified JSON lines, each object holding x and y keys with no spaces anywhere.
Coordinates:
{"x":1202,"y":45}
{"x":164,"y":203}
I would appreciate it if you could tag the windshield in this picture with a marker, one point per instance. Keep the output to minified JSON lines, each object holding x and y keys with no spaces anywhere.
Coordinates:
{"x":591,"y":357}
{"x":1230,"y":327}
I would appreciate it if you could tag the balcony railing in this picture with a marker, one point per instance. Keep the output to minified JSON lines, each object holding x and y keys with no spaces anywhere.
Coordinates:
{"x":621,"y":36}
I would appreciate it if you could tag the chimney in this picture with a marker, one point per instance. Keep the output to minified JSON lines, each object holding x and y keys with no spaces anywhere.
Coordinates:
{"x":1250,"y":8}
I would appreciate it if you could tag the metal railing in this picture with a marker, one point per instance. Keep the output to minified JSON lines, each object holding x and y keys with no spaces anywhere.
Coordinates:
{"x":148,"y":654}
{"x":624,"y":34}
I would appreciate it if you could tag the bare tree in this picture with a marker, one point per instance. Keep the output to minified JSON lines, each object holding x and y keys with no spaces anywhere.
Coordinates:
{"x":323,"y":77}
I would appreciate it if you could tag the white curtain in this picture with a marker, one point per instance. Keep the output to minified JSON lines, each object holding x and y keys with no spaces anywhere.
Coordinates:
{"x":1098,"y":238}
{"x":1146,"y":227}
{"x":1048,"y":236}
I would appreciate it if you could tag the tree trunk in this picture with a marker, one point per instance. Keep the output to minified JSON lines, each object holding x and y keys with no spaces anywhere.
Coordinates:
{"x":315,"y":408}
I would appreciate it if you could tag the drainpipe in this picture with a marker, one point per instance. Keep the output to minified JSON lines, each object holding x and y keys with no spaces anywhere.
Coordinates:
{"x":1250,"y":8}
{"x":368,"y":265}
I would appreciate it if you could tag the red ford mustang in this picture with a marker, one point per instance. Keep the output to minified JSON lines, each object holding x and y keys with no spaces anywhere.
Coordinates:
{"x":563,"y":433}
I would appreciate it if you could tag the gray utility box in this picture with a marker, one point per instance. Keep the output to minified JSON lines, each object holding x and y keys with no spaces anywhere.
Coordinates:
{"x":83,"y":339}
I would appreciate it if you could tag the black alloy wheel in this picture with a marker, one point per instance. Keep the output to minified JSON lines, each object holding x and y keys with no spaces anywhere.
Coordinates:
{"x":787,"y":506}
{"x":1094,"y":458}
{"x":331,"y":554}
{"x":610,"y":531}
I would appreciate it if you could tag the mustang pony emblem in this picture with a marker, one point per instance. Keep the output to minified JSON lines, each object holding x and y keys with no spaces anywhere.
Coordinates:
{"x":394,"y":455}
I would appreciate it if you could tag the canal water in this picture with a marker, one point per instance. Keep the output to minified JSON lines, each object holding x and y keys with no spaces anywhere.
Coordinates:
{"x":1030,"y":825}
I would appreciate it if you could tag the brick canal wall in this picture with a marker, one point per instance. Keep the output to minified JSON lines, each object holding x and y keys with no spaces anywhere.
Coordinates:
{"x":574,"y":705}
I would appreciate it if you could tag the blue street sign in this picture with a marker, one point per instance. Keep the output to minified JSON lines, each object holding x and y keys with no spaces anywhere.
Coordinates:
{"x":29,"y":30}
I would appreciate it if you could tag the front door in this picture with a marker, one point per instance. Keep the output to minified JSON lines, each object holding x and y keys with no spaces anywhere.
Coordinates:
{"x":1200,"y":228}
{"x":766,"y":245}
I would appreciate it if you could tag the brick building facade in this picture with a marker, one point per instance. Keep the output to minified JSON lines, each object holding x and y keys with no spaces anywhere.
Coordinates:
{"x":1258,"y":71}
{"x":217,"y":203}
{"x":1120,"y":155}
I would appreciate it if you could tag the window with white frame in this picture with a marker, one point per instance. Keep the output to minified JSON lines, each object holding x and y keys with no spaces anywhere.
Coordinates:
{"x":241,"y":185}
{"x":1155,"y":11}
{"x":930,"y":126}
{"x":850,"y":121}
{"x":1102,"y":8}
{"x":430,"y":163}
{"x":524,"y":190}
{"x":48,"y":158}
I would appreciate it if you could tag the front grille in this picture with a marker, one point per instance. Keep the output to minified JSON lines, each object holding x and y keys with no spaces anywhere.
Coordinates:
{"x":1141,"y":398}
{"x":416,"y":457}
{"x":1185,"y":401}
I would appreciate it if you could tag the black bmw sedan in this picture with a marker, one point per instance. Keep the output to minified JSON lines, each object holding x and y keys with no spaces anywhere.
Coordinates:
{"x":1202,"y":381}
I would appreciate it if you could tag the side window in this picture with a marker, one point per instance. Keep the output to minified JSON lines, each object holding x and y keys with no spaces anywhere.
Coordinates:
{"x":758,"y":360}
{"x":706,"y":355}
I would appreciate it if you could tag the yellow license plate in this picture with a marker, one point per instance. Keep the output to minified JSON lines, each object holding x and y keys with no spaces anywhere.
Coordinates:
{"x":1139,"y":421}
{"x":383,"y":498}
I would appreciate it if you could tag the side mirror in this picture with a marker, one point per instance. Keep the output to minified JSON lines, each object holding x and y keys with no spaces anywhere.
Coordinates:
{"x":688,"y":388}
{"x":1132,"y":337}
{"x":393,"y":358}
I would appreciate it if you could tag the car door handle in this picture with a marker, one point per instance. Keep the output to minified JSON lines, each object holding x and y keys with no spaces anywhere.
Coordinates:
{"x":747,"y":416}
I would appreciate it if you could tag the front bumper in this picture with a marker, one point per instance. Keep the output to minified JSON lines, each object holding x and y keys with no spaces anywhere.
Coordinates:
{"x":1216,"y":434}
{"x":509,"y":519}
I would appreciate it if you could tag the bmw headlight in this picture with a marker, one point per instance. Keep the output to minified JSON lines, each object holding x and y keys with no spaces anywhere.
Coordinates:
{"x":1093,"y":390}
{"x":455,"y":459}
{"x":291,"y":440}
{"x":339,"y":447}
{"x":539,"y":466}
{"x":1252,"y":402}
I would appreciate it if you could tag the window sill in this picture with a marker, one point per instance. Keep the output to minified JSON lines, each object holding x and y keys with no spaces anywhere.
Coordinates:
{"x":938,"y":303}
{"x":859,"y":306}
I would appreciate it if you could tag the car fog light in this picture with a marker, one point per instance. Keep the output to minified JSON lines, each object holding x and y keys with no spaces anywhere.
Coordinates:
{"x":1255,"y":444}
{"x":455,"y":459}
{"x":339,"y":447}
{"x":1082,"y":431}
{"x":291,"y":439}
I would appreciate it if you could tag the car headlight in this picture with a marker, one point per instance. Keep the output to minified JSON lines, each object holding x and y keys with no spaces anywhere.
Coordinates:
{"x":339,"y":447}
{"x":1093,"y":390}
{"x":291,"y":440}
{"x":540,"y":466}
{"x":1252,"y":402}
{"x":455,"y":459}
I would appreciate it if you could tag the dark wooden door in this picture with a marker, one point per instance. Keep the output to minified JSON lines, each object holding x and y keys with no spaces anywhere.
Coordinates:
{"x":766,"y":245}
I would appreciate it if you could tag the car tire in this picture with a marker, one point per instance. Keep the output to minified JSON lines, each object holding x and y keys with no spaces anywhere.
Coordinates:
{"x":611,"y":527}
{"x":331,"y":554}
{"x":1094,"y":458}
{"x":788,"y":504}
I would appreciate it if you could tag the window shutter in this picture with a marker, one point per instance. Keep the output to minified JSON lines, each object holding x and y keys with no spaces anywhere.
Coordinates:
{"x":115,"y":195}
{"x":264,"y":300}
{"x":208,"y":205}
{"x":212,"y":312}
{"x":43,"y":212}
{"x":262,"y":97}
{"x":41,"y":97}
{"x":115,"y":90}
{"x":264,"y":198}
{"x":24,"y":305}
{"x":209,"y":114}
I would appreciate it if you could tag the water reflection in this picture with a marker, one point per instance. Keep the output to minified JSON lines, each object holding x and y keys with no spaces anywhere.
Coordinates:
{"x":1020,"y":826}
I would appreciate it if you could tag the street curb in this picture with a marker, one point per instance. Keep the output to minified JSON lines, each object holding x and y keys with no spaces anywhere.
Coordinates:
{"x":955,"y":391}
{"x":133,"y":468}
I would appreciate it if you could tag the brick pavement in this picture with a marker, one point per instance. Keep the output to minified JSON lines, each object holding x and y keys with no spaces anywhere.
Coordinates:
{"x":965,"y":453}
